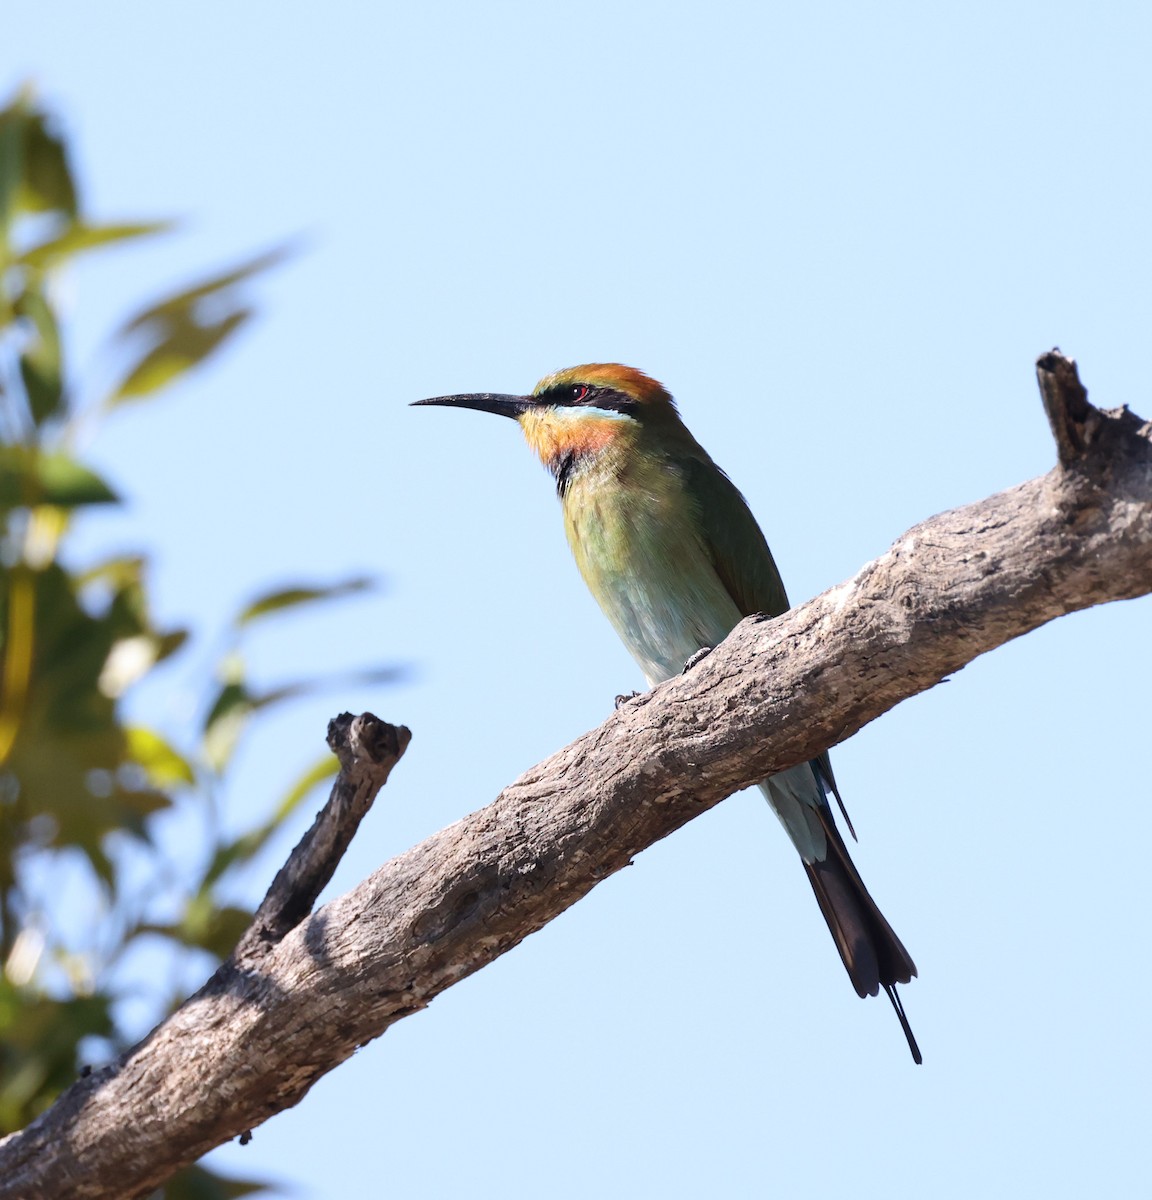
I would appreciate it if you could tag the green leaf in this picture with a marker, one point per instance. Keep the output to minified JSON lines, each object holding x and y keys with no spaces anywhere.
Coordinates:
{"x":249,"y":844}
{"x":236,"y":703}
{"x":292,"y":597}
{"x":136,"y":805}
{"x":164,"y":766}
{"x":48,"y":184}
{"x":45,"y":395}
{"x":34,"y":173}
{"x":39,"y":1037}
{"x":185,"y":329}
{"x":100,"y":863}
{"x":225,"y":722}
{"x":124,"y":577}
{"x":169,"y":643}
{"x":122,"y":571}
{"x":369,"y":676}
{"x":206,"y":925}
{"x":29,"y":478}
{"x":12,"y":120}
{"x":184,"y":344}
{"x":324,"y":768}
{"x":40,"y":365}
{"x":69,"y":760}
{"x":80,"y":237}
{"x":68,"y":484}
{"x":181,"y":302}
{"x":199,"y":1183}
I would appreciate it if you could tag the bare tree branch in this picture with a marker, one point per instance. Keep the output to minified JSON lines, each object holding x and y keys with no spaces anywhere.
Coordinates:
{"x":253,"y":1040}
{"x":367,"y":749}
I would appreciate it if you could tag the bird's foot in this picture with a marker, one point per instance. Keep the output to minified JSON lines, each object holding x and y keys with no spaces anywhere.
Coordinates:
{"x":624,"y":697}
{"x":698,"y":657}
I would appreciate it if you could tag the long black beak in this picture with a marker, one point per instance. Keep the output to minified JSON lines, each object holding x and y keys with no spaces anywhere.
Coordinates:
{"x":490,"y":402}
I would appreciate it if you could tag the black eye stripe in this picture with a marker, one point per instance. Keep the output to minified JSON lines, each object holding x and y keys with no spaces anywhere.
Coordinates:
{"x":587,"y":395}
{"x":569,"y":395}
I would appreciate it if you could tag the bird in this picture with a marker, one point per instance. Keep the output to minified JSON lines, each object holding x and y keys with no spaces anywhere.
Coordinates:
{"x":673,"y":555}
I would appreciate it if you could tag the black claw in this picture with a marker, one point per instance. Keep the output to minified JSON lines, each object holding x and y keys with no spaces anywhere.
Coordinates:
{"x":698,"y":657}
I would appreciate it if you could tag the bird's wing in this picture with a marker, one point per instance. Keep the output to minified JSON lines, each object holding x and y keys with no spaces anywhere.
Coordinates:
{"x":744,"y":563}
{"x":737,"y":547}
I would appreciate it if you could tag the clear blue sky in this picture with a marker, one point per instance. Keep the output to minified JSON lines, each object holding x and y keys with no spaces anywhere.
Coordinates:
{"x":840,"y":234}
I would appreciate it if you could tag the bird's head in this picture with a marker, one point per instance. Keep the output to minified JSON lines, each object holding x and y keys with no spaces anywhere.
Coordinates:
{"x":576,"y":414}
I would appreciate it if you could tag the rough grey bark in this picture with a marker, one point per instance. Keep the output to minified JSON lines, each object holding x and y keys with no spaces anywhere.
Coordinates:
{"x":367,"y":749}
{"x":307,"y":990}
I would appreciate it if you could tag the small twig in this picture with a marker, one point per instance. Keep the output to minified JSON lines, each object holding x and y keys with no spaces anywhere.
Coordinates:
{"x":367,"y":749}
{"x":1073,"y":419}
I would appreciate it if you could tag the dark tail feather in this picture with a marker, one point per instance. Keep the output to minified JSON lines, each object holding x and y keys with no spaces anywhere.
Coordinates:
{"x":873,"y":955}
{"x":898,"y":1005}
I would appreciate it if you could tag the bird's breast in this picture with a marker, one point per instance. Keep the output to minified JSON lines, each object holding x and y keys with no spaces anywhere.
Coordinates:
{"x":636,"y":538}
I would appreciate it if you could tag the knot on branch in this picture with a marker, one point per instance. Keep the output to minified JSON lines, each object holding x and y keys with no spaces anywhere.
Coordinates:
{"x":366,"y":742}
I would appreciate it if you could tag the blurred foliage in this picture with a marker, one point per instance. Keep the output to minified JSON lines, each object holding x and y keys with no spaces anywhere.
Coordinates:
{"x":83,"y":792}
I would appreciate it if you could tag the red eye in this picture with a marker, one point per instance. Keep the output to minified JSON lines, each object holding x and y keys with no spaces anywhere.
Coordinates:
{"x":579,"y":392}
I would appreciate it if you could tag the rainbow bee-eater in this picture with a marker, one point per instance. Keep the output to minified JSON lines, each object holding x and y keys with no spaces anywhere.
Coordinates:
{"x":675,"y":559}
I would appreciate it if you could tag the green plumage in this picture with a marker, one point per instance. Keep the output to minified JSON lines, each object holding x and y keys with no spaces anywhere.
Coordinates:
{"x":674,"y":557}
